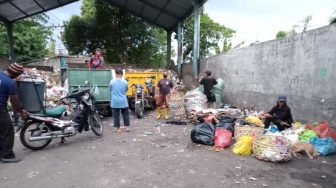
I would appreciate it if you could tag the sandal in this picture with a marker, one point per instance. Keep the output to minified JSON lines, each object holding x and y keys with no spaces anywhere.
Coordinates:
{"x":128,"y":129}
{"x":117,"y":130}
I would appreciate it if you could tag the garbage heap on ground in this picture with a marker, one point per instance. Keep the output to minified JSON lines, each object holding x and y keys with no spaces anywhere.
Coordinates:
{"x":221,"y":127}
{"x":265,"y":144}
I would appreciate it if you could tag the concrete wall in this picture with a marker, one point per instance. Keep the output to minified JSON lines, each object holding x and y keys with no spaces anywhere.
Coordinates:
{"x":302,"y":67}
{"x":53,"y":62}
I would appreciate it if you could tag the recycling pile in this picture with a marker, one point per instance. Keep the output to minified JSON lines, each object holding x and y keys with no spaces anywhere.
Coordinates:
{"x":216,"y":129}
{"x":51,"y":78}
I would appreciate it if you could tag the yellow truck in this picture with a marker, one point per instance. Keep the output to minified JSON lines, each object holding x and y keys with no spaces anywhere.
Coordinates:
{"x":142,"y":90}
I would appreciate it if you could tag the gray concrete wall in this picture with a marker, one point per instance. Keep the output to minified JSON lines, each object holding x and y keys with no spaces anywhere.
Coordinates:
{"x":302,"y":67}
{"x":53,"y":62}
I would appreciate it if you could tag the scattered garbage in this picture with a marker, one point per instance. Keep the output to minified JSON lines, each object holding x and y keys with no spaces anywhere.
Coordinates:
{"x":325,"y":146}
{"x":323,"y":130}
{"x":222,"y":138}
{"x":203,"y":134}
{"x":272,"y":148}
{"x":307,"y":135}
{"x":243,"y":146}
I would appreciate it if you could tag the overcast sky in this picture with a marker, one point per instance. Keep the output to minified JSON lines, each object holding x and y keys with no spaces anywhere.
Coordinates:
{"x":252,"y":19}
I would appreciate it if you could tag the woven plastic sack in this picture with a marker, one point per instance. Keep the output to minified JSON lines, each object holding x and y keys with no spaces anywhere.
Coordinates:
{"x":194,"y":100}
{"x":243,"y":146}
{"x":325,"y":146}
{"x":307,"y":135}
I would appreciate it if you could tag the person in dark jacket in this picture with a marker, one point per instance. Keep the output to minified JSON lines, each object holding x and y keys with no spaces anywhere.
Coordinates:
{"x":208,"y":83}
{"x":280,"y":115}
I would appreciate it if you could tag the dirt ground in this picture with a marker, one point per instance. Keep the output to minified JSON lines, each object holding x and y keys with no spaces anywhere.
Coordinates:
{"x":165,"y":159}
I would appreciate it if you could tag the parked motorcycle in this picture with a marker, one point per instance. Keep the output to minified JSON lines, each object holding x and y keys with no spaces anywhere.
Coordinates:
{"x":142,"y":99}
{"x":39,"y":130}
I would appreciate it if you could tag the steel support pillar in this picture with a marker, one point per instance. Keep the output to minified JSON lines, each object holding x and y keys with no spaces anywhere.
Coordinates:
{"x":169,"y":34}
{"x":179,"y":49}
{"x":10,"y":42}
{"x":196,"y":40}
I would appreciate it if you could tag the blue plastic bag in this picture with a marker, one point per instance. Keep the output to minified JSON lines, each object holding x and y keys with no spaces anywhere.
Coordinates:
{"x":271,"y":129}
{"x":325,"y":146}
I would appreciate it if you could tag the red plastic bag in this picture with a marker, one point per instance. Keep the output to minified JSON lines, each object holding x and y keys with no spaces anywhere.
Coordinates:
{"x":324,"y":130}
{"x":223,"y":138}
{"x":208,"y":119}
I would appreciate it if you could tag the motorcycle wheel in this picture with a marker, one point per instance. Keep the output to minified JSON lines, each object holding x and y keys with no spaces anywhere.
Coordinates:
{"x":96,"y":125}
{"x":138,"y":111}
{"x":32,"y":129}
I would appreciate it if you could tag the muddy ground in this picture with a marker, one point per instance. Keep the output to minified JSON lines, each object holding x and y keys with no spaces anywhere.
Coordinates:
{"x":165,"y":159}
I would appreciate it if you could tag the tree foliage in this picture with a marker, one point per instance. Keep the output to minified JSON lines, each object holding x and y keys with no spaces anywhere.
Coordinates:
{"x":30,"y":38}
{"x":124,"y":38}
{"x":304,"y":24}
{"x":281,"y":34}
{"x":52,"y":48}
{"x":212,"y":34}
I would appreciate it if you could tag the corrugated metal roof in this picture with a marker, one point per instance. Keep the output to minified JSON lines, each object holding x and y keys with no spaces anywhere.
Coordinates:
{"x":163,"y":13}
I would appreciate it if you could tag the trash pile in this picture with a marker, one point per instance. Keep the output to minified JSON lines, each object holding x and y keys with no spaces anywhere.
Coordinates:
{"x":51,"y":78}
{"x":265,"y":144}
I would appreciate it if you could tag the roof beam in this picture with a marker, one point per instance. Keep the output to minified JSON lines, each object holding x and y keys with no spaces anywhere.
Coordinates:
{"x":164,"y":7}
{"x":3,"y":2}
{"x":39,"y":4}
{"x":134,"y":13}
{"x":45,"y":10}
{"x":18,"y":8}
{"x":159,"y":8}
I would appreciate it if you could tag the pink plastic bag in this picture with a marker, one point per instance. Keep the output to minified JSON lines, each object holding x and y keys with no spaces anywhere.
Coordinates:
{"x":323,"y":130}
{"x":223,"y":138}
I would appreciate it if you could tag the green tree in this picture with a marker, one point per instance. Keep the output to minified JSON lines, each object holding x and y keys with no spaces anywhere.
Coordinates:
{"x":123,"y":37}
{"x":52,"y":48}
{"x":30,"y":38}
{"x":281,"y":34}
{"x":211,"y":35}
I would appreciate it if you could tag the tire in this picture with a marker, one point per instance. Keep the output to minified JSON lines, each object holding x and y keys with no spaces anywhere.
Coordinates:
{"x":138,"y":111}
{"x":24,"y":139}
{"x":109,"y":112}
{"x":96,"y":125}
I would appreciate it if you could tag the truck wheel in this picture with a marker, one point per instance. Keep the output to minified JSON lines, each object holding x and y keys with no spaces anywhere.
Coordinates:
{"x":109,"y":112}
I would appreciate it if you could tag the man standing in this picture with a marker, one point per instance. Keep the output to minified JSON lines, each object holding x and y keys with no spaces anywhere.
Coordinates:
{"x":118,"y":88}
{"x":162,"y":90}
{"x":97,"y":60}
{"x":8,"y":89}
{"x":208,"y":82}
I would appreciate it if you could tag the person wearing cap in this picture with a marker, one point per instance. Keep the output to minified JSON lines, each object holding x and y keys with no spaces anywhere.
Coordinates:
{"x":163,"y":89}
{"x":8,"y":89}
{"x":97,"y":60}
{"x":119,"y":103}
{"x":280,"y":115}
{"x":208,"y":83}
